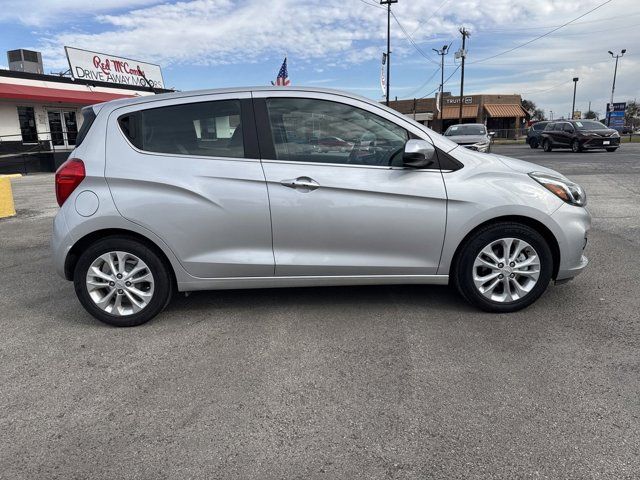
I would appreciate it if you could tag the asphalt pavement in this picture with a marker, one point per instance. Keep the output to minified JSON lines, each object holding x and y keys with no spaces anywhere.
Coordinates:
{"x":364,"y":382}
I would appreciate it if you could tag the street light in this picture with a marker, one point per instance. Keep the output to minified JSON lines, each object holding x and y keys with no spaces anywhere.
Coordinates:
{"x":613,"y":88}
{"x":573,"y":106}
{"x":442,"y":52}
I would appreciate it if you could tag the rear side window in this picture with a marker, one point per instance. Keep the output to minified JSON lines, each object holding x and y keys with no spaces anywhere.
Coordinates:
{"x":88,"y":117}
{"x":550,"y":126}
{"x":210,"y":129}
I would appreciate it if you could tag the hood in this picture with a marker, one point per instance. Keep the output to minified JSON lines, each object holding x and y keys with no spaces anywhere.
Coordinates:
{"x":521,"y":166}
{"x":599,"y":133}
{"x":468,"y":139}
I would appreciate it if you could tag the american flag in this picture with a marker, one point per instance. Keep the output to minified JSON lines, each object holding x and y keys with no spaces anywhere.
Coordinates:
{"x":283,"y":75}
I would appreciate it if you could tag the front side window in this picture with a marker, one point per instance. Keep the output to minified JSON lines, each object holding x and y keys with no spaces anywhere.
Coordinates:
{"x":27,"y":121}
{"x":590,"y":125}
{"x":210,"y":129}
{"x":568,"y":127}
{"x":321,"y":131}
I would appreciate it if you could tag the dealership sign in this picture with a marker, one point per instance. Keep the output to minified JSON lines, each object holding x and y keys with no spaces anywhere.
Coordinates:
{"x":100,"y":67}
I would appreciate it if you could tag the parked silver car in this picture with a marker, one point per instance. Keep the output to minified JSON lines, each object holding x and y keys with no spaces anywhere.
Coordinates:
{"x":470,"y":135}
{"x":225,"y":189}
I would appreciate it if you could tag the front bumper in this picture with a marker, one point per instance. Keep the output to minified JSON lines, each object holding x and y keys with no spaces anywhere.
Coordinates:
{"x":600,"y":142}
{"x":574,"y":224}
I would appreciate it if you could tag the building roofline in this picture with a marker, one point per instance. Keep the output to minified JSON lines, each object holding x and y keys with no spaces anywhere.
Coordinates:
{"x":68,"y":80}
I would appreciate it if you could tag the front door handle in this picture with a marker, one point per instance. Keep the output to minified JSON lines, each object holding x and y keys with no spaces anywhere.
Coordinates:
{"x":302,"y":184}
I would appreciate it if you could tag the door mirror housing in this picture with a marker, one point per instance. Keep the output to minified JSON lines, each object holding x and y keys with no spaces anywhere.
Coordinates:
{"x":418,"y":154}
{"x":492,"y":134}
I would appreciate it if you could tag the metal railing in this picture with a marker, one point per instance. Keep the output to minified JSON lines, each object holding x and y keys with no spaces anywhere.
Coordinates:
{"x":15,"y":150}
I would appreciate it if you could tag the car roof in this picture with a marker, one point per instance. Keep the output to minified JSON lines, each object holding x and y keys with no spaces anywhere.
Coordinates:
{"x":140,"y":100}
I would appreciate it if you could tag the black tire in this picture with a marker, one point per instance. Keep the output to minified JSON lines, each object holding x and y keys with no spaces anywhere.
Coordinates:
{"x":462,"y":269}
{"x":163,"y":281}
{"x":533,"y":143}
{"x":575,"y":146}
{"x":546,"y":145}
{"x":612,"y":149}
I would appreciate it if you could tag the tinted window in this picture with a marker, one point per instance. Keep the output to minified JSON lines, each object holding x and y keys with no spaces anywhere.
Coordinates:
{"x":88,"y":116}
{"x":308,"y":130}
{"x":550,"y":126}
{"x":539,"y":126}
{"x":590,"y":125}
{"x":568,"y":127}
{"x":27,"y":121}
{"x":211,"y":129}
{"x":465,"y":130}
{"x":559,"y":126}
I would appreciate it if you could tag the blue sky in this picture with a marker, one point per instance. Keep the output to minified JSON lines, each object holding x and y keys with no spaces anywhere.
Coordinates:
{"x":338,"y":43}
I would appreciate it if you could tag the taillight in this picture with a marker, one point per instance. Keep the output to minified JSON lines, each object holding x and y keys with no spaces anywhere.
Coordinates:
{"x":68,"y":177}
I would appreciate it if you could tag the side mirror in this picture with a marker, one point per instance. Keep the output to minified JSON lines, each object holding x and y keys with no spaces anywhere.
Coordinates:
{"x":492,"y":134}
{"x":418,"y":154}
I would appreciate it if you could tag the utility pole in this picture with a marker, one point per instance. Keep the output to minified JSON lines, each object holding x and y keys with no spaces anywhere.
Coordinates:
{"x":388,"y":4}
{"x":442,"y":52}
{"x":463,"y":53}
{"x":613,"y":88}
{"x":573,"y":105}
{"x":551,"y":114}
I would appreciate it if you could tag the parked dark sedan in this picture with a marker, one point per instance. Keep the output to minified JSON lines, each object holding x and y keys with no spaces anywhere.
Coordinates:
{"x":534,"y":133}
{"x":579,"y":135}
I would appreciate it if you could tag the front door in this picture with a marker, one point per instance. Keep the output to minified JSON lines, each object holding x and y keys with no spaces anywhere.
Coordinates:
{"x":352,"y":210}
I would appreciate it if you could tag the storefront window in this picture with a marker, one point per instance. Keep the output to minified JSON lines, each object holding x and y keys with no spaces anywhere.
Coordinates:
{"x":27,"y":120}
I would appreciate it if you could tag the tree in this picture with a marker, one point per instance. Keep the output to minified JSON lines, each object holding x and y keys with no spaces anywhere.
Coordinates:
{"x":632,"y":114}
{"x":534,"y":112}
{"x":591,"y":115}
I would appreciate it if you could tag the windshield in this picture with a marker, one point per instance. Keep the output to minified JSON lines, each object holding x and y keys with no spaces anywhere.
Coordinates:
{"x":590,"y":125}
{"x":465,"y":130}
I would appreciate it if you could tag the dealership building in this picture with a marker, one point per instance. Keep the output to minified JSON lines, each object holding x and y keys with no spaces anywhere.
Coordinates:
{"x":500,"y":113}
{"x":40,"y":113}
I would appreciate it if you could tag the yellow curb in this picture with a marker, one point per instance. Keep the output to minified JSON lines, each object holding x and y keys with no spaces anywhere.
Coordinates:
{"x":7,"y":208}
{"x":11,"y":175}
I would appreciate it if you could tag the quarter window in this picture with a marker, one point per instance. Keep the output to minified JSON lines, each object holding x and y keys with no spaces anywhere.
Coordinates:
{"x":321,"y":131}
{"x":210,"y":129}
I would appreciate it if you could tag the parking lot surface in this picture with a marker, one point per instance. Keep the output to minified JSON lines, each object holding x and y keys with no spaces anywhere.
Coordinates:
{"x":362,"y":382}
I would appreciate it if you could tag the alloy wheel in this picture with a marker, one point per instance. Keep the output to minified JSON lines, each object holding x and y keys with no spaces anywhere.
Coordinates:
{"x":120,"y":283}
{"x":506,"y":270}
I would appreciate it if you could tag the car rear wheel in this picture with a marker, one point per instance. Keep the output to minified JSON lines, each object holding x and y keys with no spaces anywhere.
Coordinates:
{"x":503,"y":268}
{"x":612,"y":149}
{"x":122,"y":282}
{"x":533,"y":143}
{"x":575,"y":146}
{"x":546,"y":145}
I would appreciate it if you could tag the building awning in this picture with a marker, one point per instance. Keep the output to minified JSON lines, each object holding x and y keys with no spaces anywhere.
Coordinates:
{"x":506,"y":110}
{"x":468,"y":111}
{"x":55,"y":95}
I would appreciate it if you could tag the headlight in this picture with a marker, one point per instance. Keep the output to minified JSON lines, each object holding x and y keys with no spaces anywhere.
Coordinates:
{"x":566,"y":190}
{"x":481,"y":145}
{"x":615,"y":135}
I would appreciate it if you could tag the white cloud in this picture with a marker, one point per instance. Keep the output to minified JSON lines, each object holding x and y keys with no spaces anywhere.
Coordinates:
{"x":336,"y":34}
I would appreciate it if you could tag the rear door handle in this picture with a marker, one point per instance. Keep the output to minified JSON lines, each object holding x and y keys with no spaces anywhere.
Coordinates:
{"x":302,"y":184}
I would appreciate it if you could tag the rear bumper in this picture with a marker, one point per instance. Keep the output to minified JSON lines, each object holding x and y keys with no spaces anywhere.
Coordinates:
{"x":61,"y":242}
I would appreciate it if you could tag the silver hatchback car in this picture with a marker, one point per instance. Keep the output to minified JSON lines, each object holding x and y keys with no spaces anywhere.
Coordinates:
{"x":226,"y":189}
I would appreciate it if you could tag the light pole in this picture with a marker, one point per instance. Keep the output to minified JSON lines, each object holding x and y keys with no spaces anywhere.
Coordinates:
{"x":442,"y":52}
{"x":613,"y":88}
{"x":551,"y":114}
{"x":573,"y":105}
{"x":388,"y":4}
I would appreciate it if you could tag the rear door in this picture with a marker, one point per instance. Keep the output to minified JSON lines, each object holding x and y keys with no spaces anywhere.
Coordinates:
{"x":351,"y":211}
{"x":188,"y":169}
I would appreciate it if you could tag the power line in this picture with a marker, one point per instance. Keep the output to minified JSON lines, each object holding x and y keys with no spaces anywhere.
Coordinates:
{"x":425,"y":83}
{"x":536,"y":92}
{"x":410,"y":39}
{"x":422,"y":22}
{"x":447,"y":79}
{"x":543,"y":35}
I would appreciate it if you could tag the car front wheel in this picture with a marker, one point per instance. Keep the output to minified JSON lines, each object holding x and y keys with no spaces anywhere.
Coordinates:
{"x":533,"y":143}
{"x":546,"y":145}
{"x":503,"y":267}
{"x":575,"y":146}
{"x":122,"y":282}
